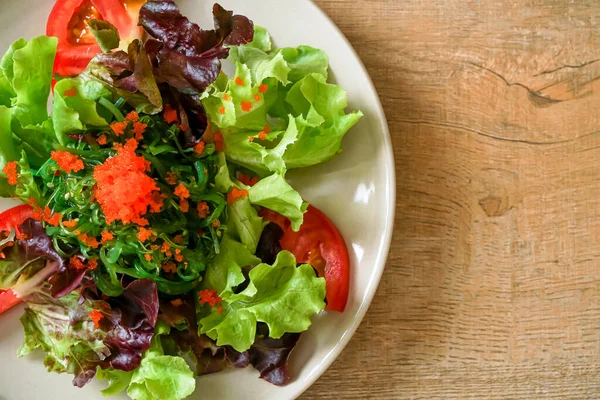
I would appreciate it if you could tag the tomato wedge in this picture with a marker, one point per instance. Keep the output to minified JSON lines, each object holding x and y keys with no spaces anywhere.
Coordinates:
{"x":12,"y":219}
{"x":320,"y":244}
{"x":76,"y":45}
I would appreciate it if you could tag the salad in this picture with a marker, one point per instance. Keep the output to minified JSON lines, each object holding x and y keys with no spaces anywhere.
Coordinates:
{"x":159,"y":239}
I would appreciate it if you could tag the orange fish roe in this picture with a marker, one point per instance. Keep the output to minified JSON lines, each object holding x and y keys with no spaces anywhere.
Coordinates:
{"x":221,"y":110}
{"x":169,"y":267}
{"x":71,"y":92}
{"x":144,"y":234}
{"x":178,"y":256}
{"x":92,"y":264}
{"x":178,"y":239}
{"x":182,"y":192}
{"x":158,"y":201}
{"x":119,"y":128}
{"x":132,"y":116}
{"x":171,"y":178}
{"x":236,"y":194}
{"x":107,"y":237}
{"x":216,"y":224}
{"x":251,"y":138}
{"x":263,"y":88}
{"x":96,"y":317}
{"x":70,"y":224}
{"x":267,"y":129}
{"x":10,"y":169}
{"x":220,"y":310}
{"x":166,"y":249}
{"x":140,"y":221}
{"x":248,"y":180}
{"x":226,"y":97}
{"x":89,"y":241}
{"x":125,"y":191}
{"x":139,"y":129}
{"x":177,"y":302}
{"x":203,"y":209}
{"x":52,"y":219}
{"x":148,"y":257}
{"x":170,"y":114}
{"x":184,"y":205}
{"x":67,"y":162}
{"x":199,"y":148}
{"x":246,"y":106}
{"x":262,"y":135}
{"x":102,"y":140}
{"x":219,"y":143}
{"x":76,"y":263}
{"x":239,"y":81}
{"x":209,"y":297}
{"x":257,"y":98}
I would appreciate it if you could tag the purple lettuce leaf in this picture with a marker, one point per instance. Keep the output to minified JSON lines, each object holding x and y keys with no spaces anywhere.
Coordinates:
{"x":186,"y":56}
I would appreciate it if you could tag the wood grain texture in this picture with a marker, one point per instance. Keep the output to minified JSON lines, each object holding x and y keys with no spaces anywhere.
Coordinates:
{"x":492,"y":288}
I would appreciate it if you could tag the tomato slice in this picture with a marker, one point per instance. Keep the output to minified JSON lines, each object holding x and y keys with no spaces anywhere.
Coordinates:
{"x":76,"y":45}
{"x":320,"y":244}
{"x":12,"y":219}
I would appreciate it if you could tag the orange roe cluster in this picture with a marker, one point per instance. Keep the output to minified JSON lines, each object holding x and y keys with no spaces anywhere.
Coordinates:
{"x":10,"y":169}
{"x":248,"y":180}
{"x":199,"y":148}
{"x":78,"y":264}
{"x":203,"y":209}
{"x":96,"y":317}
{"x":144,"y":234}
{"x":210,"y":297}
{"x":177,"y":302}
{"x":107,"y":237}
{"x":89,"y":241}
{"x":170,"y":114}
{"x":182,"y":192}
{"x":67,"y":162}
{"x":125,"y":192}
{"x":236,"y":194}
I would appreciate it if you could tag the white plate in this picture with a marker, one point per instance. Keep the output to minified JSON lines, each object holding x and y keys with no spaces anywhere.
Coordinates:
{"x":357,"y":190}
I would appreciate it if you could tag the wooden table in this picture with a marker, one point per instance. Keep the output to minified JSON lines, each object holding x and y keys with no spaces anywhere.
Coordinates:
{"x":492,"y":288}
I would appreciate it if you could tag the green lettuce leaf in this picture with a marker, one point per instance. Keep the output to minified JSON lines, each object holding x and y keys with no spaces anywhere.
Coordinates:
{"x":106,"y":34}
{"x":66,"y":334}
{"x":76,"y":111}
{"x":283,"y":296}
{"x":276,"y":194}
{"x":159,"y":377}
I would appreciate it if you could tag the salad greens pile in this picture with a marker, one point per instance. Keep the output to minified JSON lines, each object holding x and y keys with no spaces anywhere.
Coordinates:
{"x":147,"y":260}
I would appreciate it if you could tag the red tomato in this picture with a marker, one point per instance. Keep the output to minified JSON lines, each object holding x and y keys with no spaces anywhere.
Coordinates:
{"x":320,"y":244}
{"x":76,"y":44}
{"x":8,"y":220}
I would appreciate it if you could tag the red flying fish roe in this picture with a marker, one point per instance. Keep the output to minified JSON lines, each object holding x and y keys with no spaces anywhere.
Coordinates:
{"x":216,"y":224}
{"x":251,"y":138}
{"x":107,"y":237}
{"x":220,"y":310}
{"x":199,"y":148}
{"x":221,"y":110}
{"x":267,"y":129}
{"x":178,"y":239}
{"x":76,"y":263}
{"x":92,"y":264}
{"x":239,"y":81}
{"x":166,"y":249}
{"x":96,"y":317}
{"x":236,"y":194}
{"x":70,"y":224}
{"x":67,"y":162}
{"x":177,"y":302}
{"x":169,"y":267}
{"x":184,"y":205}
{"x":140,"y":221}
{"x":262,"y":135}
{"x":209,"y":297}
{"x":144,"y":234}
{"x":158,"y":202}
{"x":178,"y":256}
{"x":125,"y":191}
{"x":52,"y":219}
{"x":171,"y":178}
{"x":148,"y":257}
{"x":219,"y":143}
{"x":71,"y":92}
{"x":132,"y":116}
{"x":248,"y":180}
{"x":102,"y":140}
{"x":139,"y":129}
{"x":10,"y":169}
{"x":170,"y":114}
{"x":89,"y":241}
{"x":182,"y":192}
{"x":257,"y":98}
{"x":203,"y":209}
{"x":246,"y":106}
{"x":119,"y":128}
{"x":226,"y":97}
{"x":263,"y":88}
